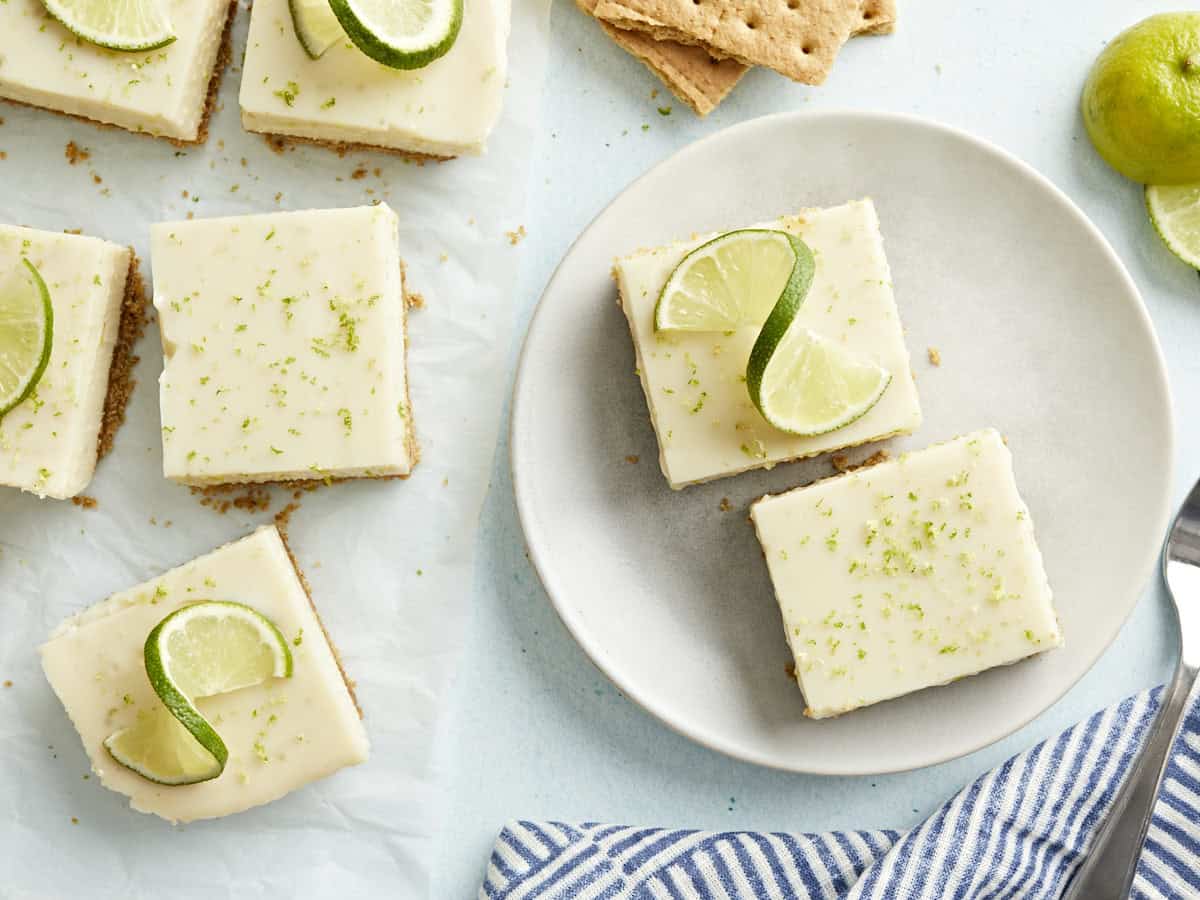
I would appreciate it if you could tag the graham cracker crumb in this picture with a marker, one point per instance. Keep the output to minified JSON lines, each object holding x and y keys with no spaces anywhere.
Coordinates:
{"x":248,"y":497}
{"x":359,"y":174}
{"x":632,"y":460}
{"x":337,"y":658}
{"x":413,"y":300}
{"x":3,"y":155}
{"x":515,"y":237}
{"x":790,"y":668}
{"x":935,"y":356}
{"x":842,"y":463}
{"x":120,"y":373}
{"x":76,"y":154}
{"x":283,"y":518}
{"x":8,"y":682}
{"x":725,"y":505}
{"x":84,"y":501}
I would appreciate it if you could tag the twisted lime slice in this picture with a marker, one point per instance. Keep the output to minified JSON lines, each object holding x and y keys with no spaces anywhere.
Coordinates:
{"x":733,"y":280}
{"x":1175,"y":211}
{"x":26,"y":333}
{"x":115,"y":24}
{"x":208,"y":648}
{"x":317,"y":28}
{"x":402,"y":34}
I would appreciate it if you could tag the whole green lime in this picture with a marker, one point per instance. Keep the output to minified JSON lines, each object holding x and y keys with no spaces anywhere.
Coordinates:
{"x":1141,"y":101}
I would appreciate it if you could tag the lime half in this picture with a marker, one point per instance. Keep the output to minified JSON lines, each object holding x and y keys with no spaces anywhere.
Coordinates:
{"x":806,"y":384}
{"x":1175,"y":211}
{"x":115,"y":24}
{"x":317,"y":28}
{"x":207,"y":648}
{"x":402,"y":34}
{"x":733,"y":280}
{"x":26,"y":334}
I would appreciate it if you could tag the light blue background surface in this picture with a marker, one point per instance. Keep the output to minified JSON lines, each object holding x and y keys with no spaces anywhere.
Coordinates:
{"x":535,"y":730}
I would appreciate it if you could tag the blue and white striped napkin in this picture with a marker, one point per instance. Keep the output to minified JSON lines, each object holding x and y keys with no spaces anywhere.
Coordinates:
{"x":1020,"y":831}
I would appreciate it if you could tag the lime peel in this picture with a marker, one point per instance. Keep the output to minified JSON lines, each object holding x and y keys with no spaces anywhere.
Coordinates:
{"x":401,"y":34}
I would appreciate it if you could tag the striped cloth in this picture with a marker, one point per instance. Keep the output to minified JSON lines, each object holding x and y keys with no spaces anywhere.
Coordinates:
{"x":1019,"y":832}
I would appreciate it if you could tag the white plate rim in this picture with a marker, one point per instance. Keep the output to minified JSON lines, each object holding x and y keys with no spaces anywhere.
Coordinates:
{"x":542,"y":566}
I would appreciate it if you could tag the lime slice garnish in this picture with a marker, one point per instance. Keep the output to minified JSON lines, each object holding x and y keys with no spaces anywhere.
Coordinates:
{"x":208,"y":648}
{"x":402,"y":34}
{"x":1175,"y":211}
{"x":317,"y":27}
{"x":806,"y":384}
{"x":733,"y":280}
{"x":26,"y":334}
{"x":115,"y":24}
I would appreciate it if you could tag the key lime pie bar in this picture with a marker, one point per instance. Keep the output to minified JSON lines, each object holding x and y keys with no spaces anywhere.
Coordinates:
{"x":440,"y":97}
{"x":284,"y":345}
{"x":696,"y":381}
{"x":908,"y":574}
{"x":167,"y":89}
{"x":280,"y":727}
{"x":61,"y":302}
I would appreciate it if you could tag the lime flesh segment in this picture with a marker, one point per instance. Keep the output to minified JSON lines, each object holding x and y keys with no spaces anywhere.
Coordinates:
{"x":115,"y":24}
{"x":806,"y":384}
{"x":317,"y":28}
{"x":733,"y":280}
{"x":402,"y":34}
{"x":208,"y":648}
{"x":1175,"y":212}
{"x":160,"y":748}
{"x":26,"y":334}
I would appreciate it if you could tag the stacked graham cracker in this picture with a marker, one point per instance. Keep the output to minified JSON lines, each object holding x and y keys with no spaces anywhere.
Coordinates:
{"x":701,"y":48}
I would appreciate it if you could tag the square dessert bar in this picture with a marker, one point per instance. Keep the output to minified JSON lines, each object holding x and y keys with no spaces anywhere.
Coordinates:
{"x":281,"y":735}
{"x":284,"y":345}
{"x":695,"y":383}
{"x":167,"y":92}
{"x":50,"y":442}
{"x":907,"y":574}
{"x":445,"y":109}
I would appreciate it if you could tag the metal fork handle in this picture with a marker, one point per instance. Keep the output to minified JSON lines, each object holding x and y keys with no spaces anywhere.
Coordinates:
{"x":1107,"y":872}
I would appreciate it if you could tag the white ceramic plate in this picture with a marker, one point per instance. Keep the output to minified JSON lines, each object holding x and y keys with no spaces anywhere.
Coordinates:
{"x":1042,"y":334}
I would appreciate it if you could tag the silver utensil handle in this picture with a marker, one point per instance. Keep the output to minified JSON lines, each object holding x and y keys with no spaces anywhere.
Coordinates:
{"x":1108,"y":871}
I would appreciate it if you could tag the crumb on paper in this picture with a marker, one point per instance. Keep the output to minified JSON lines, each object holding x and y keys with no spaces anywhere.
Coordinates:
{"x":3,"y":155}
{"x":935,"y":356}
{"x":359,"y":174}
{"x":74,"y":820}
{"x":515,"y":237}
{"x":790,"y":668}
{"x":8,"y":682}
{"x":725,"y":505}
{"x":631,"y":459}
{"x":76,"y":154}
{"x":283,"y":518}
{"x":84,"y":501}
{"x":414,"y":300}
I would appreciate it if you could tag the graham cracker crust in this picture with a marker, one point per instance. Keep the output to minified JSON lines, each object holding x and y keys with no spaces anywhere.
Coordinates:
{"x":281,"y":523}
{"x":120,"y":372}
{"x":223,"y":58}
{"x":279,"y":143}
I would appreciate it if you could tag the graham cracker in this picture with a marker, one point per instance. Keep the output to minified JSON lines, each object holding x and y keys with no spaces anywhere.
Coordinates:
{"x":797,"y":38}
{"x":280,"y":142}
{"x":691,"y":73}
{"x":120,"y":372}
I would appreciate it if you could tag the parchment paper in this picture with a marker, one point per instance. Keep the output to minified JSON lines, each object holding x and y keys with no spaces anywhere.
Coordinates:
{"x":390,"y":562}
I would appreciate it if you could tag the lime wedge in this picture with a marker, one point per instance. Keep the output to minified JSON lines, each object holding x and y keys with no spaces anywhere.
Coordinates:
{"x":207,"y":648}
{"x":1175,"y":211}
{"x":806,"y":384}
{"x":316,"y":26}
{"x":26,"y":334}
{"x":733,"y":280}
{"x":402,"y":34}
{"x":115,"y":24}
